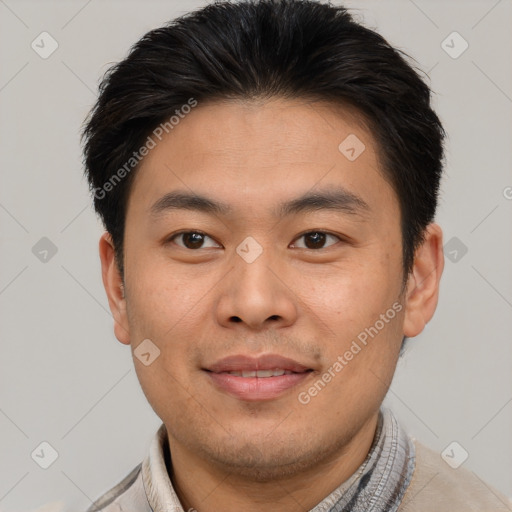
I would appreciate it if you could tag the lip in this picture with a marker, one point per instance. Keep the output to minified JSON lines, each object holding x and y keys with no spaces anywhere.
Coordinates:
{"x":256,"y":388}
{"x":264,"y":362}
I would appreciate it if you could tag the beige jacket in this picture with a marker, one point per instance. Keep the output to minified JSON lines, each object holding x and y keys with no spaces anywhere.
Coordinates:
{"x":436,"y":487}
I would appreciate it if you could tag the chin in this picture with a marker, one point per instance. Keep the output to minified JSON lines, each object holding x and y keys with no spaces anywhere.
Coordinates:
{"x":278,"y":458}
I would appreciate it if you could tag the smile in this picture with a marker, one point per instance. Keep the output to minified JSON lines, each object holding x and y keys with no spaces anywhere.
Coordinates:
{"x":261,"y":373}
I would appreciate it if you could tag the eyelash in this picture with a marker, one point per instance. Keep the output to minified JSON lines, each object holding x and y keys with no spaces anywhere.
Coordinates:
{"x":175,"y":235}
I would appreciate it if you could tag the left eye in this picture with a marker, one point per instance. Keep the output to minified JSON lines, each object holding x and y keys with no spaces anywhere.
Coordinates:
{"x":316,"y":239}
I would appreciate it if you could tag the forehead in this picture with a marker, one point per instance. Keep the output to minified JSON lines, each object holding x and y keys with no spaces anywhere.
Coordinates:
{"x":247,"y":153}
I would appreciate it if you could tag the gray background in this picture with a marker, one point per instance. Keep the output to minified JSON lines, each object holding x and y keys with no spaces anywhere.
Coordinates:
{"x":65,"y":379}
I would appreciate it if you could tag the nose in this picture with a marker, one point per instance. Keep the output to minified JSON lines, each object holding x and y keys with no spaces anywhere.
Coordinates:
{"x":257,"y":294}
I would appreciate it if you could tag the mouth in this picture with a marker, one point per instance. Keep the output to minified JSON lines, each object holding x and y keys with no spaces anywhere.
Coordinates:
{"x":262,"y":374}
{"x":255,"y":379}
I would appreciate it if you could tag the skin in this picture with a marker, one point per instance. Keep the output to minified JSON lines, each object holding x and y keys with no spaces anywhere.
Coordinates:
{"x":199,"y":305}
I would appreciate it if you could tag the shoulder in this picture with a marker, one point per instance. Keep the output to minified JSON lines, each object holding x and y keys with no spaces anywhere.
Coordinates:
{"x":436,"y":487}
{"x":127,"y":496}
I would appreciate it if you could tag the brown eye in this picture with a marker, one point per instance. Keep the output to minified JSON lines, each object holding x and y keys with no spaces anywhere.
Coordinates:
{"x":191,"y":239}
{"x":316,"y":239}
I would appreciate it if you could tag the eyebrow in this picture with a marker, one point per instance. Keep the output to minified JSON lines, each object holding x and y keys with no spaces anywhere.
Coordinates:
{"x":338,"y":199}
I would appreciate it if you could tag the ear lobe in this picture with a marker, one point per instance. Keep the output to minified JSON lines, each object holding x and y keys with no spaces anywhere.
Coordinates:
{"x":423,"y":282}
{"x":114,"y":288}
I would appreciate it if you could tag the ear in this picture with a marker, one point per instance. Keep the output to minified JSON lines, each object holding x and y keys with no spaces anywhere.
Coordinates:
{"x":423,"y":282}
{"x":114,"y":287}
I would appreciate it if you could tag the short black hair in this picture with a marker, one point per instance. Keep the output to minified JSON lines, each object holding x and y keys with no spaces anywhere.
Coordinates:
{"x":260,"y":49}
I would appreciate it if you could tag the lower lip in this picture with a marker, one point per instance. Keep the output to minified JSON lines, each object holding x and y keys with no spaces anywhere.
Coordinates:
{"x":257,"y":388}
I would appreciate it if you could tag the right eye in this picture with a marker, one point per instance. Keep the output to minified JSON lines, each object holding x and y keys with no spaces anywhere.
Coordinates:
{"x":192,"y":240}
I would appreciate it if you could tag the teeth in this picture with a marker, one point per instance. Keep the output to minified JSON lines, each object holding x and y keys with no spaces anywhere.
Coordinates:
{"x":262,"y":373}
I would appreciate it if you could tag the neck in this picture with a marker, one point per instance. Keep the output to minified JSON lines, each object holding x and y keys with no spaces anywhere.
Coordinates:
{"x":202,"y":485}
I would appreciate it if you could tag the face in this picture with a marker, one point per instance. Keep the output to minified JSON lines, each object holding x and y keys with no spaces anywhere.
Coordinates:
{"x":299,"y":261}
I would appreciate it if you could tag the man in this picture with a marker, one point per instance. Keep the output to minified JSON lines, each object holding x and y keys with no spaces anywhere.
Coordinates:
{"x":267,"y":173}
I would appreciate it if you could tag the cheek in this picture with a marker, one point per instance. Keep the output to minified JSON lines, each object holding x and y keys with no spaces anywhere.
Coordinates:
{"x":171,"y":309}
{"x":161,"y":295}
{"x":350,"y":297}
{"x":166,"y":309}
